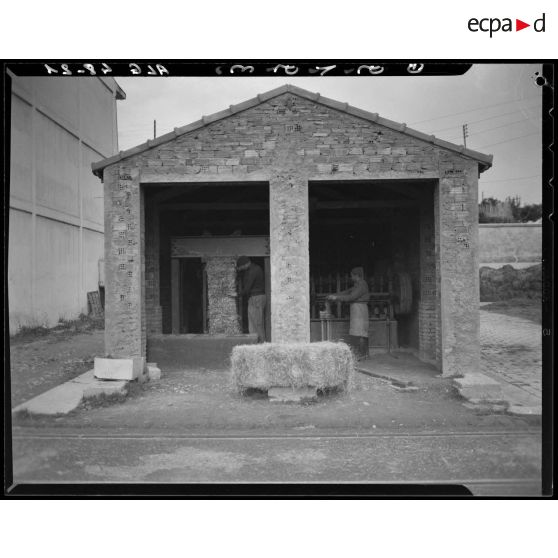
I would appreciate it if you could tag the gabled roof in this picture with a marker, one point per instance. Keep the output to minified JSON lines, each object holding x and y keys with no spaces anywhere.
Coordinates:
{"x":484,"y":160}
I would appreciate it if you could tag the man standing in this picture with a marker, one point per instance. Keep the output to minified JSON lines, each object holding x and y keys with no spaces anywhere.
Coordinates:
{"x":358,"y":296}
{"x":253,"y":288}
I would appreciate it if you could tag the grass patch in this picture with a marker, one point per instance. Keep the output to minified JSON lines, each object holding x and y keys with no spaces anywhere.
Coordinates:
{"x":102,"y":400}
{"x":82,"y":324}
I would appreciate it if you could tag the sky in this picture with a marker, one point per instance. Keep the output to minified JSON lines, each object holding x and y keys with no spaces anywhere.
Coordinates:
{"x":500,"y":103}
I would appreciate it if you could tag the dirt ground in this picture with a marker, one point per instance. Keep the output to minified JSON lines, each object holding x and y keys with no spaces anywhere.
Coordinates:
{"x":41,"y":359}
{"x":526,"y":308}
{"x":203,"y":400}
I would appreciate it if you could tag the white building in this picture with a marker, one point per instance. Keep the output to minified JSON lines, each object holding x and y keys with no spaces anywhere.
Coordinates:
{"x":59,"y":126}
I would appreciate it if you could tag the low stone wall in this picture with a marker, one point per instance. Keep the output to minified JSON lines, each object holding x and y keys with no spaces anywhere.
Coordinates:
{"x":212,"y":352}
{"x":506,"y":243}
{"x":507,"y":282}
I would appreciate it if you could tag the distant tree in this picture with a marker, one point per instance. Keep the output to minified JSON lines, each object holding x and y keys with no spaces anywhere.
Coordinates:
{"x":492,"y":210}
{"x":531,"y":212}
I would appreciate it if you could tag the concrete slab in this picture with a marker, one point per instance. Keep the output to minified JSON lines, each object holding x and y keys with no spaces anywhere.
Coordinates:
{"x":105,"y":387}
{"x":478,"y":386}
{"x":85,"y":378}
{"x":521,"y":410}
{"x":57,"y":401}
{"x":66,"y":397}
{"x":292,"y":395}
{"x":402,"y":369}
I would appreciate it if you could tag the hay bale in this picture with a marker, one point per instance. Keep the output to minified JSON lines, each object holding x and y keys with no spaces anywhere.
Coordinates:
{"x":320,"y":365}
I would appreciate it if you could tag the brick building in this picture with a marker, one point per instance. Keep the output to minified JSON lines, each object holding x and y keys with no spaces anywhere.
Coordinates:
{"x":308,"y":187}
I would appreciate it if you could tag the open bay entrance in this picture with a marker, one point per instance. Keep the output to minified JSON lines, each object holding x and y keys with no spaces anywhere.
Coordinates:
{"x":380,"y":226}
{"x":194,"y":234}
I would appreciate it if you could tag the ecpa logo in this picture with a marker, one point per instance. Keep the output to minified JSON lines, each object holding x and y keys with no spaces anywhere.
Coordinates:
{"x":494,"y":24}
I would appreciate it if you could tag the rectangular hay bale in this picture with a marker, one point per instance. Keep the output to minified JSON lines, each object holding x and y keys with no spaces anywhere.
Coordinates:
{"x":320,"y":365}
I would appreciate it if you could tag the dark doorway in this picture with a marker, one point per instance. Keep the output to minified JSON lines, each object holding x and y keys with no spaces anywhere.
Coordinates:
{"x":193,"y":299}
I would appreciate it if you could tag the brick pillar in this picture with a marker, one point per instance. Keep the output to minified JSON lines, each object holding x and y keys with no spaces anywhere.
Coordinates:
{"x":290,"y":259}
{"x":459,"y":270}
{"x":427,"y":302}
{"x":154,"y":320}
{"x":124,"y":302}
{"x":221,"y":282}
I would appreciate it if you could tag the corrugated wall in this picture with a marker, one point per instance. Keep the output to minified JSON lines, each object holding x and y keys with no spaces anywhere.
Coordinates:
{"x":59,"y":127}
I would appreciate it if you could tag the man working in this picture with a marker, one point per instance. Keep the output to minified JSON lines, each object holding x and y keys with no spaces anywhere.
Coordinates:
{"x":358,"y":296}
{"x":253,"y":288}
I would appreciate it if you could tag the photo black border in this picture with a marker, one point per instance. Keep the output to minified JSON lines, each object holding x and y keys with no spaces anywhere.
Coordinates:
{"x":190,"y":68}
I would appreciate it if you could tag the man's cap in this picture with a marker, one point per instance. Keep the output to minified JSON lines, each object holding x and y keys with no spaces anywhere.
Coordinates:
{"x":243,"y":260}
{"x":358,"y":271}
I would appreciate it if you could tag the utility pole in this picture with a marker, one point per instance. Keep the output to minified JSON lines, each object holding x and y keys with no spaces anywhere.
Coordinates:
{"x":154,"y":129}
{"x":465,"y":134}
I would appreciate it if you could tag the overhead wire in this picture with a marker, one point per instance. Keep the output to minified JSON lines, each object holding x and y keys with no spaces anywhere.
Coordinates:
{"x":512,"y":179}
{"x":490,"y":129}
{"x":477,"y":121}
{"x":474,"y":110}
{"x":508,"y":140}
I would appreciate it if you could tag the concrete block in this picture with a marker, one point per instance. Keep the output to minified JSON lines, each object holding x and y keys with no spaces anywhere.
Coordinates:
{"x":292,"y":395}
{"x":153,"y":372}
{"x":119,"y":368}
{"x":143,"y":378}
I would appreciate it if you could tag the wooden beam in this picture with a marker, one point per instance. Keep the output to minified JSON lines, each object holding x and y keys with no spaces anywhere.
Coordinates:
{"x":328,"y":192}
{"x":365,"y":204}
{"x":318,"y":222}
{"x":260,"y":206}
{"x":198,"y":246}
{"x":246,"y":206}
{"x":174,"y":192}
{"x":408,"y":190}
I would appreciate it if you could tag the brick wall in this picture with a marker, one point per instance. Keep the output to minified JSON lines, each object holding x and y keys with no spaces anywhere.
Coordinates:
{"x":289,"y":140}
{"x":428,"y":317}
{"x":154,"y":318}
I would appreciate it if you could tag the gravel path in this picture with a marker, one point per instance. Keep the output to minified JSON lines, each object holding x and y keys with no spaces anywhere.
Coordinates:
{"x":511,"y":353}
